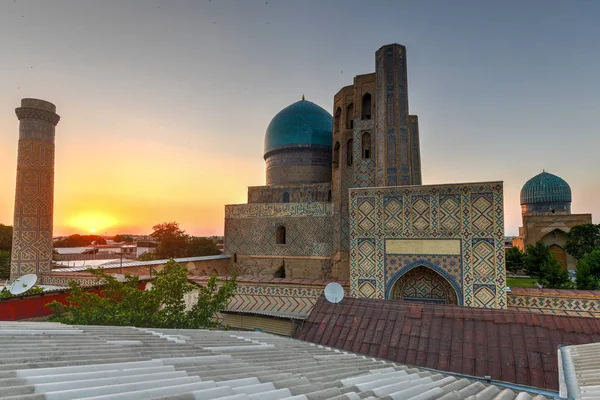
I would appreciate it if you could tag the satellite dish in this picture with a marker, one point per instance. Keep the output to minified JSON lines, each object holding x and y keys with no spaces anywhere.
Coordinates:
{"x":22,"y":284}
{"x":334,"y":292}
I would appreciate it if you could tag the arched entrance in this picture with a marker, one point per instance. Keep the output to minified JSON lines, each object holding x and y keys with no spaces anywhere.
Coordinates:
{"x":559,"y":254}
{"x":424,"y":284}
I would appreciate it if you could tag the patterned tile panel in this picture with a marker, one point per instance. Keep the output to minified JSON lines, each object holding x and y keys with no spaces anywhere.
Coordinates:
{"x":470,"y":212}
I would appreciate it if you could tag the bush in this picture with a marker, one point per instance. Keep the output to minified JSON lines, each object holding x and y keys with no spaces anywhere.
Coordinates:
{"x":161,"y":306}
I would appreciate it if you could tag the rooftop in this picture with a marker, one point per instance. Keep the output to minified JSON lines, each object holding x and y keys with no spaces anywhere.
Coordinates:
{"x":52,"y":361}
{"x":518,"y":347}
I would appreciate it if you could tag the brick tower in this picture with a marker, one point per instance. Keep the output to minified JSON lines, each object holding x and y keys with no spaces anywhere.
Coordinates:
{"x":34,"y":197}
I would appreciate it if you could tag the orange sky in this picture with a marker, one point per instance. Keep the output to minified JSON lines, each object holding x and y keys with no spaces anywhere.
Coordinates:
{"x":163,"y":109}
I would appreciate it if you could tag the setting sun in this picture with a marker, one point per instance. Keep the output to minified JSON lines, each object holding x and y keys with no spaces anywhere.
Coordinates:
{"x":97,"y":220}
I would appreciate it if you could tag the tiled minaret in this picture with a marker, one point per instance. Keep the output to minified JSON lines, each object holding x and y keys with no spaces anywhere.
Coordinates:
{"x":34,"y":198}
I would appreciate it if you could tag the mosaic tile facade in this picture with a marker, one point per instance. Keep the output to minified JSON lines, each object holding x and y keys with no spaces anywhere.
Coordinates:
{"x":250,"y":229}
{"x":318,"y":192}
{"x":34,"y":197}
{"x":580,"y":303}
{"x":469,"y":216}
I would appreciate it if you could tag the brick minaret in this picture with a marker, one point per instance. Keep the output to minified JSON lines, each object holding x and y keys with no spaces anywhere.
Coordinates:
{"x":34,"y":197}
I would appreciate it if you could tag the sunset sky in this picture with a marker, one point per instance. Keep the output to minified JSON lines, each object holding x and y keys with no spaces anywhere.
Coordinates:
{"x":164,"y":103}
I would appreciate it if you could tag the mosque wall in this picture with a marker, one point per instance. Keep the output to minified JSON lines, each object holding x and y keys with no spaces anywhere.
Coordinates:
{"x":455,"y":230}
{"x":308,"y":193}
{"x":253,"y":238}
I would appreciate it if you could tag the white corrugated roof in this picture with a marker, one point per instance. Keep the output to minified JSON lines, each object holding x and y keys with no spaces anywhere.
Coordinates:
{"x":580,"y":371}
{"x":139,"y":263}
{"x":53,"y":361}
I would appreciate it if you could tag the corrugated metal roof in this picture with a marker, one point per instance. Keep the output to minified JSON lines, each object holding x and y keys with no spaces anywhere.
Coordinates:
{"x":580,"y":372}
{"x":52,"y":361}
{"x":140,"y":263}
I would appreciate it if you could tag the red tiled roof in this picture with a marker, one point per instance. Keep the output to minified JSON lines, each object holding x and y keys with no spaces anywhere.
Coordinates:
{"x":511,"y":346}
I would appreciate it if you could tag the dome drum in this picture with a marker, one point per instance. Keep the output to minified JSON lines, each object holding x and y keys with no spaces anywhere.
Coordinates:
{"x":298,"y":166}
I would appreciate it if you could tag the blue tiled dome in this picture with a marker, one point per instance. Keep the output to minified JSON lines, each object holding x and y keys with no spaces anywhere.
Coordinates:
{"x":545,"y":188}
{"x":302,"y":124}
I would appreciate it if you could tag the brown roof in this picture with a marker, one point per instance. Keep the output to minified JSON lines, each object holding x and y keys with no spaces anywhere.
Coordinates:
{"x":510,"y":346}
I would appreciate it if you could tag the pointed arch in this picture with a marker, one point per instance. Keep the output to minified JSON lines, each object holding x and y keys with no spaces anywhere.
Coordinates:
{"x":430,"y":268}
{"x":280,"y":235}
{"x":350,"y":116}
{"x":336,"y":119}
{"x":366,"y":145}
{"x":286,"y":197}
{"x":336,"y":154}
{"x":366,"y":106}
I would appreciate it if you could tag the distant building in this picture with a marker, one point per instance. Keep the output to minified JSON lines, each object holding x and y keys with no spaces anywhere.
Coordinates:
{"x":546,"y":212}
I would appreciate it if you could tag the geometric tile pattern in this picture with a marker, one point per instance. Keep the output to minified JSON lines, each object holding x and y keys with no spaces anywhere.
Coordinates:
{"x":472,"y":213}
{"x":34,"y":198}
{"x":423,"y":283}
{"x":556,"y":301}
{"x":306,"y":233}
{"x":483,"y":261}
{"x":392,"y":208}
{"x":449,"y":266}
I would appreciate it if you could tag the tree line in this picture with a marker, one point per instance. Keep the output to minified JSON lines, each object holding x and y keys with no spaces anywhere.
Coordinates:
{"x":538,"y":261}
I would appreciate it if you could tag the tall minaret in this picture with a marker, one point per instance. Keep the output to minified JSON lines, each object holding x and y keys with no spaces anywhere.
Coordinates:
{"x":34,"y":197}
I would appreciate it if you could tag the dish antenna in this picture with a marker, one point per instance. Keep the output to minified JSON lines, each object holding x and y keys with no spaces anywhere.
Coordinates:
{"x":334,"y":292}
{"x":22,"y":284}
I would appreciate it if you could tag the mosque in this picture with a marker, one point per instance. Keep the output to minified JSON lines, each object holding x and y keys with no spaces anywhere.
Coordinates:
{"x":546,"y":213}
{"x":343,"y":200}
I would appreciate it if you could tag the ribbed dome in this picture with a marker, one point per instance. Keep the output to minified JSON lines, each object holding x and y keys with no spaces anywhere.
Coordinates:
{"x":545,"y":188}
{"x":302,"y":124}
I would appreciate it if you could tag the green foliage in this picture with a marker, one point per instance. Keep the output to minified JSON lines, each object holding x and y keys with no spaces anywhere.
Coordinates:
{"x":588,"y":271}
{"x":161,"y":306}
{"x":123,"y":238}
{"x":201,"y":246}
{"x":514,"y":259}
{"x":147,"y":256}
{"x":534,"y":257}
{"x":5,"y":294}
{"x":582,"y":239}
{"x":79,"y":241}
{"x":553,"y":276}
{"x":172,"y":241}
{"x":6,"y":233}
{"x":4,"y":264}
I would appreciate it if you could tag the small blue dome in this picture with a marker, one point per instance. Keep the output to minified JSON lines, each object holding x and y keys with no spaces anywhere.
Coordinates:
{"x":545,"y":188}
{"x":302,"y":124}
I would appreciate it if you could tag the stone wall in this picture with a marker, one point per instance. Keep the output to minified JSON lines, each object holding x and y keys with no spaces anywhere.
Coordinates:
{"x":455,"y":230}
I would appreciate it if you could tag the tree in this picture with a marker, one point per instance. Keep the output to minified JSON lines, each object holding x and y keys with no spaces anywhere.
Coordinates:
{"x":534,"y":257}
{"x":79,"y":241}
{"x":161,"y":306}
{"x":6,"y":233}
{"x":514,"y":259}
{"x":582,"y":239}
{"x":172,"y":241}
{"x":552,"y":275}
{"x":123,"y":238}
{"x":588,"y":271}
{"x":201,"y":246}
{"x":4,"y":264}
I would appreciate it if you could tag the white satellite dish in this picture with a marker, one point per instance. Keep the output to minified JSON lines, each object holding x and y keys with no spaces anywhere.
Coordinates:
{"x":22,"y":284}
{"x":334,"y":292}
